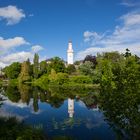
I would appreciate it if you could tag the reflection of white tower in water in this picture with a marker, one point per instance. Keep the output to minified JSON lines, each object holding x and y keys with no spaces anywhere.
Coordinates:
{"x":70,"y":107}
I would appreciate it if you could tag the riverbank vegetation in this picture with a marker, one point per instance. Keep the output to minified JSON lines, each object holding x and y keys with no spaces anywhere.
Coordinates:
{"x":105,"y":67}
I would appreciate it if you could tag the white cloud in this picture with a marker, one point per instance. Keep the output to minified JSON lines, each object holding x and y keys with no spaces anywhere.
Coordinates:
{"x":130,"y":3}
{"x":12,"y":42}
{"x":15,"y":57}
{"x":8,"y":56}
{"x":6,"y":114}
{"x":2,"y":65}
{"x":126,"y":35}
{"x":11,"y":14}
{"x":36,"y":48}
{"x":92,"y":35}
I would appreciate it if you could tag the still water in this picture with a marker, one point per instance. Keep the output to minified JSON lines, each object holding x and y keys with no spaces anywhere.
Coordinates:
{"x":59,"y":112}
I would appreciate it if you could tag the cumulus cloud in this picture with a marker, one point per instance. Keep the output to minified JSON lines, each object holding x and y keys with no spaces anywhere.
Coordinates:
{"x":12,"y":42}
{"x":92,"y":35}
{"x":2,"y":64}
{"x":9,"y":55}
{"x":11,"y":14}
{"x":15,"y":57}
{"x":124,"y":36}
{"x":130,"y":3}
{"x":36,"y":48}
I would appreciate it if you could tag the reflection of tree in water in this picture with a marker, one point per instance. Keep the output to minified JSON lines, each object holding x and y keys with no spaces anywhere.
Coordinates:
{"x":12,"y":129}
{"x":122,"y":113}
{"x":25,"y":92}
{"x":68,"y":123}
{"x":54,"y":95}
{"x":12,"y":93}
{"x":90,"y":100}
{"x":35,"y":99}
{"x":55,"y":101}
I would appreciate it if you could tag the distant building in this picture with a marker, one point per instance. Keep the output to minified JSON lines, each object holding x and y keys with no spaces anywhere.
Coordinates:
{"x":71,"y":107}
{"x":48,"y":61}
{"x":70,"y":53}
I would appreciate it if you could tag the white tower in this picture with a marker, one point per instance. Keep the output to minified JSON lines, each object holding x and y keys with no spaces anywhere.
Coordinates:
{"x":70,"y":53}
{"x":70,"y":107}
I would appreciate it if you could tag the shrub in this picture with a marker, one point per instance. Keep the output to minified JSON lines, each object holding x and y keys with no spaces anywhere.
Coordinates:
{"x":62,"y":78}
{"x":70,"y":69}
{"x":81,"y":79}
{"x":44,"y":79}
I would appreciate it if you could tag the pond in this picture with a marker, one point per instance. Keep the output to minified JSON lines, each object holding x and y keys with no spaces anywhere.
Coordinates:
{"x":59,"y":111}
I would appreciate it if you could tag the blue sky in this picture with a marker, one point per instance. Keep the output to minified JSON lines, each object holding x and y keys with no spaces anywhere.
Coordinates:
{"x":46,"y":26}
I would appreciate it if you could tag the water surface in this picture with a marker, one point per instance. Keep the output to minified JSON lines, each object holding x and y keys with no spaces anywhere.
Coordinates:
{"x":57,"y":111}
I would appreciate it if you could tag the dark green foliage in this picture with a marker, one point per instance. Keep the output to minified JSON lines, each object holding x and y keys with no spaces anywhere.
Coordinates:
{"x":70,"y":69}
{"x":12,"y":71}
{"x":112,"y":56}
{"x":11,"y":129}
{"x":35,"y":99}
{"x":120,"y":96}
{"x":91,"y":59}
{"x":12,"y":93}
{"x":57,"y":64}
{"x":36,"y":66}
{"x":127,"y":53}
{"x":30,"y":67}
{"x":43,"y":68}
{"x":78,"y":62}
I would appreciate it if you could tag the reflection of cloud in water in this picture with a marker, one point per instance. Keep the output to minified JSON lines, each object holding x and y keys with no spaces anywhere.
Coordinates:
{"x":22,"y":105}
{"x":68,"y":123}
{"x":19,"y":104}
{"x":4,"y":113}
{"x":95,"y":121}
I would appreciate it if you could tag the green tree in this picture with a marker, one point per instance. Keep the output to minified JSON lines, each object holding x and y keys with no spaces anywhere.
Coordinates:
{"x":120,"y":103}
{"x":36,"y":66}
{"x":62,"y":78}
{"x":35,"y":99}
{"x":24,"y":75}
{"x":91,"y":59}
{"x":57,"y":64}
{"x":70,"y":69}
{"x":127,"y":53}
{"x":52,"y":76}
{"x":86,"y":68}
{"x":12,"y":71}
{"x":12,"y":93}
{"x":43,"y":67}
{"x":30,"y":67}
{"x":25,"y":92}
